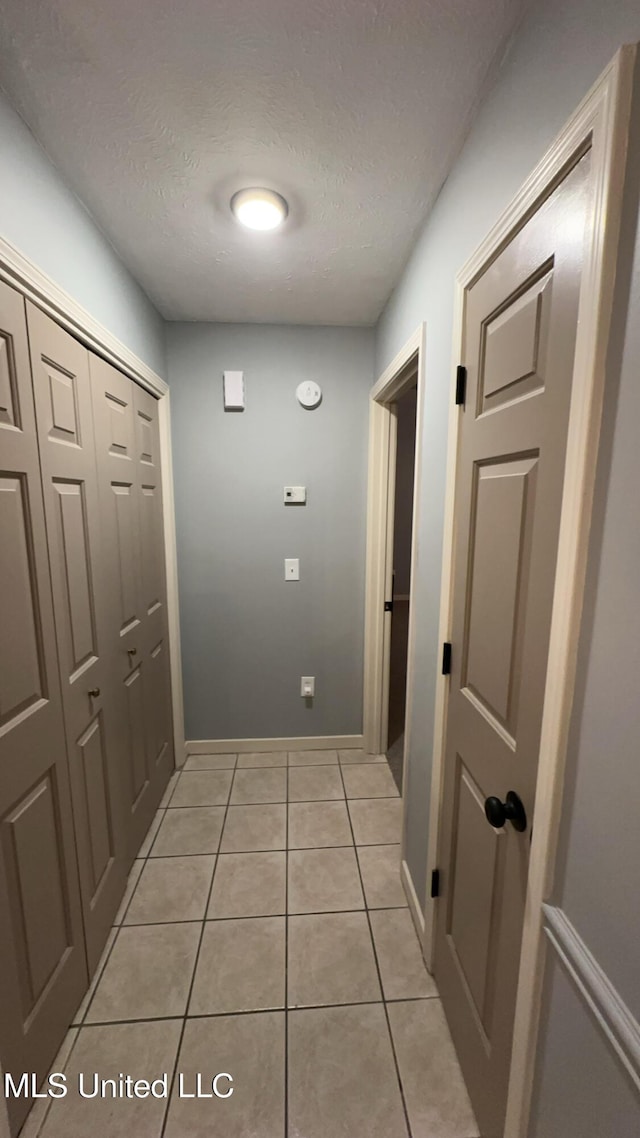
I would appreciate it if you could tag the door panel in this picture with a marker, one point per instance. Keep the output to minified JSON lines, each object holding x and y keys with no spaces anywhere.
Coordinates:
{"x":503,"y":502}
{"x":124,"y":509}
{"x":158,"y":733}
{"x":114,"y":427}
{"x":513,"y":343}
{"x":94,"y":765}
{"x":76,"y":568}
{"x":138,"y":777}
{"x":22,"y":670}
{"x":126,"y":434}
{"x":152,"y":584}
{"x":159,"y":722}
{"x":67,"y":452}
{"x":476,"y":890}
{"x":37,"y":891}
{"x":9,"y":404}
{"x":519,"y":338}
{"x":43,"y":970}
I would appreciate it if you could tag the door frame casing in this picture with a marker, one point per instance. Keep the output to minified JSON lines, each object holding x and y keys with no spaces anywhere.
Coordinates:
{"x":405,"y":371}
{"x":599,"y":125}
{"x":25,"y":276}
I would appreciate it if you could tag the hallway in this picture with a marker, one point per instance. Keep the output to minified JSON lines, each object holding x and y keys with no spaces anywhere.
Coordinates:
{"x":266,"y":882}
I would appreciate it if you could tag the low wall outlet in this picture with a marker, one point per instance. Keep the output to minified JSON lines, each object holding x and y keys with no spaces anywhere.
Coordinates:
{"x":295,"y":495}
{"x":307,"y":687}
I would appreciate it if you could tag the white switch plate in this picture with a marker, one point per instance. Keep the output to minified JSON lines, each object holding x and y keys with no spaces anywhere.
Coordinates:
{"x":233,"y":388}
{"x":292,"y":568}
{"x":307,"y":687}
{"x":295,"y":495}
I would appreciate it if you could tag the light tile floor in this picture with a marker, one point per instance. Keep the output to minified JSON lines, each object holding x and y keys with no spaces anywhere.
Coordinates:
{"x":265,"y":933}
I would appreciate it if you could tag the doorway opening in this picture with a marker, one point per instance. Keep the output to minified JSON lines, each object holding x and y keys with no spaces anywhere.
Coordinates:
{"x":405,"y":414}
{"x":392,"y":511}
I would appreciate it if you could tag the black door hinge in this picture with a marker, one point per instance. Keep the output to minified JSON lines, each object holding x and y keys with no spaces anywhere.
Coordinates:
{"x":461,"y":385}
{"x":388,"y":606}
{"x":435,"y":883}
{"x":446,"y":658}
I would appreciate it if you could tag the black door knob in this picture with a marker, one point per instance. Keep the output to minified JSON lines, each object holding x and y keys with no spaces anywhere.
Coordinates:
{"x":511,"y":810}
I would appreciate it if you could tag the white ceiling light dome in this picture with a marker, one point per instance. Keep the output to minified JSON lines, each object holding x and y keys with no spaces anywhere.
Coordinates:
{"x":257,"y":208}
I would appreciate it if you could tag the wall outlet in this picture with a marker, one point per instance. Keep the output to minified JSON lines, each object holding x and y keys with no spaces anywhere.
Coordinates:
{"x":307,"y":687}
{"x":292,"y":568}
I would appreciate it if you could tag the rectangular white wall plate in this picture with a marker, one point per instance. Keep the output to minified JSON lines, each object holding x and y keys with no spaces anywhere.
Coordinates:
{"x":295,"y":495}
{"x":307,"y":687}
{"x":233,"y":388}
{"x":292,"y":568}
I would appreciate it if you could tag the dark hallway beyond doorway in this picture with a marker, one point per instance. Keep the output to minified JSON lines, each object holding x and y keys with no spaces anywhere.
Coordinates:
{"x":398,"y":688}
{"x":406,"y":409}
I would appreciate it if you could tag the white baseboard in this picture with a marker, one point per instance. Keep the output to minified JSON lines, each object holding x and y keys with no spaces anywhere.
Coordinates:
{"x":414,"y":905}
{"x":301,"y":743}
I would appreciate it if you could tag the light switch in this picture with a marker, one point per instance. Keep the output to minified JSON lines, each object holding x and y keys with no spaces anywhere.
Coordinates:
{"x":292,"y":568}
{"x":295,"y":495}
{"x":233,"y":387}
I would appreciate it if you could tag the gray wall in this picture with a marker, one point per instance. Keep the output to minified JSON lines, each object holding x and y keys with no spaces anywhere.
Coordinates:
{"x":557,"y":54}
{"x":247,"y":635}
{"x":599,"y":862}
{"x":46,"y":222}
{"x":583,"y":1090}
{"x":597,"y":885}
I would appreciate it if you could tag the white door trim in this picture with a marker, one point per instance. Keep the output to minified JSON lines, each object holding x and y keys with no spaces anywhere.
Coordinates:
{"x":601,"y":125}
{"x":171,"y":568}
{"x":27,"y":278}
{"x":20,"y":272}
{"x":398,"y":377}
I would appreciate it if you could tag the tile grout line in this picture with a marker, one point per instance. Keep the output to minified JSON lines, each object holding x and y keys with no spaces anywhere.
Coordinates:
{"x":262,"y":1011}
{"x":99,"y":973}
{"x":283,"y":801}
{"x":177,"y":772}
{"x":75,"y":1027}
{"x":278,"y":767}
{"x":82,"y":1023}
{"x":377,"y":962}
{"x":234,"y":853}
{"x":195,"y":965}
{"x":144,"y":861}
{"x":267,"y":916}
{"x":338,"y":766}
{"x":277,"y":849}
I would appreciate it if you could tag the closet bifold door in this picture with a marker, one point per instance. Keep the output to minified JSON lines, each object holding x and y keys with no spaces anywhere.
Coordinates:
{"x":155,"y":634}
{"x":62,"y":390}
{"x":119,"y":440}
{"x":43,"y":969}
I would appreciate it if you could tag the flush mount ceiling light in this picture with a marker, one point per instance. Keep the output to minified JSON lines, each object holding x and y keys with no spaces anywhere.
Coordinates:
{"x":259,"y":209}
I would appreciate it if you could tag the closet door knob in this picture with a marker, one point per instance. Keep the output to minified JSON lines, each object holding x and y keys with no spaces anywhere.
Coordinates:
{"x":94,"y":692}
{"x":132,"y":651}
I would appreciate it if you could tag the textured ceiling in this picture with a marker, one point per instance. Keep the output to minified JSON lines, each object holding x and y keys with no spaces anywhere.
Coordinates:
{"x":156,"y":111}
